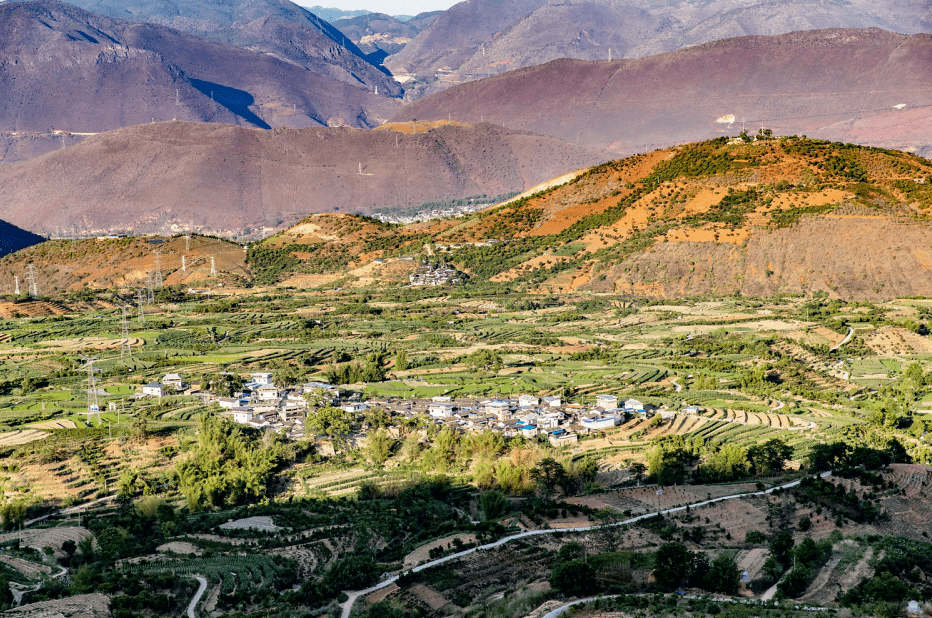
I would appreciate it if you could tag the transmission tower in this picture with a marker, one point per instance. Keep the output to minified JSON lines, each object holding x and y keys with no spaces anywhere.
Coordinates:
{"x":126,"y":349}
{"x":141,"y":300}
{"x":158,"y":269}
{"x":213,"y":267}
{"x":184,"y":265}
{"x":16,"y":283}
{"x":187,"y":242}
{"x":151,"y":294}
{"x":31,"y":278}
{"x":93,"y":405}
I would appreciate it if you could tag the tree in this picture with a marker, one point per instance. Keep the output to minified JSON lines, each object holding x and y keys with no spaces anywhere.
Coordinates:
{"x":722,"y":575}
{"x":225,"y":384}
{"x":334,"y":423}
{"x":380,"y":446}
{"x":285,"y":374}
{"x":401,"y":360}
{"x":727,"y":463}
{"x":377,"y":418}
{"x":637,"y":469}
{"x":770,"y":457}
{"x":574,"y":578}
{"x":781,"y":548}
{"x":493,"y":504}
{"x":667,"y":461}
{"x":318,"y":397}
{"x":672,"y":564}
{"x":549,"y":474}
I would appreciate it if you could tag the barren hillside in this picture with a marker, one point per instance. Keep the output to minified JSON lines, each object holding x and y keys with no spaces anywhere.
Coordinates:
{"x":222,"y":179}
{"x":876,"y":92}
{"x":64,"y":68}
{"x":477,"y":38}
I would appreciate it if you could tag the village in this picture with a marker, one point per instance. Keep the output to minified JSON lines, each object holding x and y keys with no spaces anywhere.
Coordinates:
{"x":261,"y":404}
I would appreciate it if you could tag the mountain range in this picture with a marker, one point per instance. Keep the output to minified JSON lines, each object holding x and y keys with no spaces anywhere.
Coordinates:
{"x":278,"y":28}
{"x":65,"y":68}
{"x":222,"y":179}
{"x":865,"y":86}
{"x":479,"y":38}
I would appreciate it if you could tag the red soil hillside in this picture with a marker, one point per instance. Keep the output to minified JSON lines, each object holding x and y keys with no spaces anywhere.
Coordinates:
{"x":862,"y":86}
{"x":221,"y":179}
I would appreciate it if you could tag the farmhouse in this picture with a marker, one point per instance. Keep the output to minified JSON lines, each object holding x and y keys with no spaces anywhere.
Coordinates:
{"x":173,"y":380}
{"x":561,"y":437}
{"x":441,"y":410}
{"x":153,"y":389}
{"x":606,"y":402}
{"x":262,"y":378}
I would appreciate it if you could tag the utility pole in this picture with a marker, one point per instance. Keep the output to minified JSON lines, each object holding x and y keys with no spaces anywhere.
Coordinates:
{"x":140,"y":300}
{"x":31,"y":279}
{"x":126,"y":349}
{"x":158,"y":269}
{"x":93,"y":405}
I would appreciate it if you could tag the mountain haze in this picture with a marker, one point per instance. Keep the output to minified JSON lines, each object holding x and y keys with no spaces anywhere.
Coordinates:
{"x":864,"y":86}
{"x":477,"y":38}
{"x":222,"y":179}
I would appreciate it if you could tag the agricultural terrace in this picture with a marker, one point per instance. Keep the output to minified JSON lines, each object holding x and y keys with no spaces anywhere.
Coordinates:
{"x":359,"y":495}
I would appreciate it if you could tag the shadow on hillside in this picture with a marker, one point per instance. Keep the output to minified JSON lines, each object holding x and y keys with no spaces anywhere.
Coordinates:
{"x":237,"y":101}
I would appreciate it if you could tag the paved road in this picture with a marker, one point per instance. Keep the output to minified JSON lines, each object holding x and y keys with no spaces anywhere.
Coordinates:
{"x":197,"y":595}
{"x":845,"y":340}
{"x":347,"y":606}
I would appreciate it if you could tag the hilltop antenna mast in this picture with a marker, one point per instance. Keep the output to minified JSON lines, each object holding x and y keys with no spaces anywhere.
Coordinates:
{"x":126,"y":349}
{"x":16,"y":283}
{"x":140,"y":300}
{"x":187,"y":242}
{"x":609,"y":54}
{"x":213,"y":267}
{"x":177,"y":97}
{"x":376,"y":90}
{"x":31,"y":278}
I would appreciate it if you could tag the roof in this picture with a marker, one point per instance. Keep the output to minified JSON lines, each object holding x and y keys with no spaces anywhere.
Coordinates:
{"x":153,"y":385}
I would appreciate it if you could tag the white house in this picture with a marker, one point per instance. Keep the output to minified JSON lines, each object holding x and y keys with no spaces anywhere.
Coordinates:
{"x":242,"y":414}
{"x":267,"y":393}
{"x":174,"y":380}
{"x":263,"y":378}
{"x":553,"y":402}
{"x":528,"y":401}
{"x":691,"y":410}
{"x":228,"y":403}
{"x":501,"y":409}
{"x":561,"y":437}
{"x":633,"y":405}
{"x":529,"y":431}
{"x":600,"y":423}
{"x":606,"y":402}
{"x":440,"y":410}
{"x":353,"y":408}
{"x":441,"y":398}
{"x":153,"y":389}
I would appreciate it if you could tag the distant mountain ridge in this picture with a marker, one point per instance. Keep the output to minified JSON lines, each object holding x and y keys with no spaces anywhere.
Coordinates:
{"x":276,"y":27}
{"x":864,"y":86}
{"x":222,"y":179}
{"x":65,"y":68}
{"x":479,"y":38}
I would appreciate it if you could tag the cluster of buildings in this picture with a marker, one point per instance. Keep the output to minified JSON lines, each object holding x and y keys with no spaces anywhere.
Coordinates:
{"x":461,"y":210}
{"x":263,"y":405}
{"x":435,"y":274}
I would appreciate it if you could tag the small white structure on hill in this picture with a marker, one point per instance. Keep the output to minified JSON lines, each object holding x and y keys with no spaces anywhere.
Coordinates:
{"x":153,"y":389}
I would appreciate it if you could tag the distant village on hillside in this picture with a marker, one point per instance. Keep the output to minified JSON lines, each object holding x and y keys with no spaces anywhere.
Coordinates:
{"x":261,"y":404}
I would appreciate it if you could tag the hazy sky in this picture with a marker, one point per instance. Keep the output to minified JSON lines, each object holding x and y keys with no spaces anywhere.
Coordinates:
{"x":391,"y":7}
